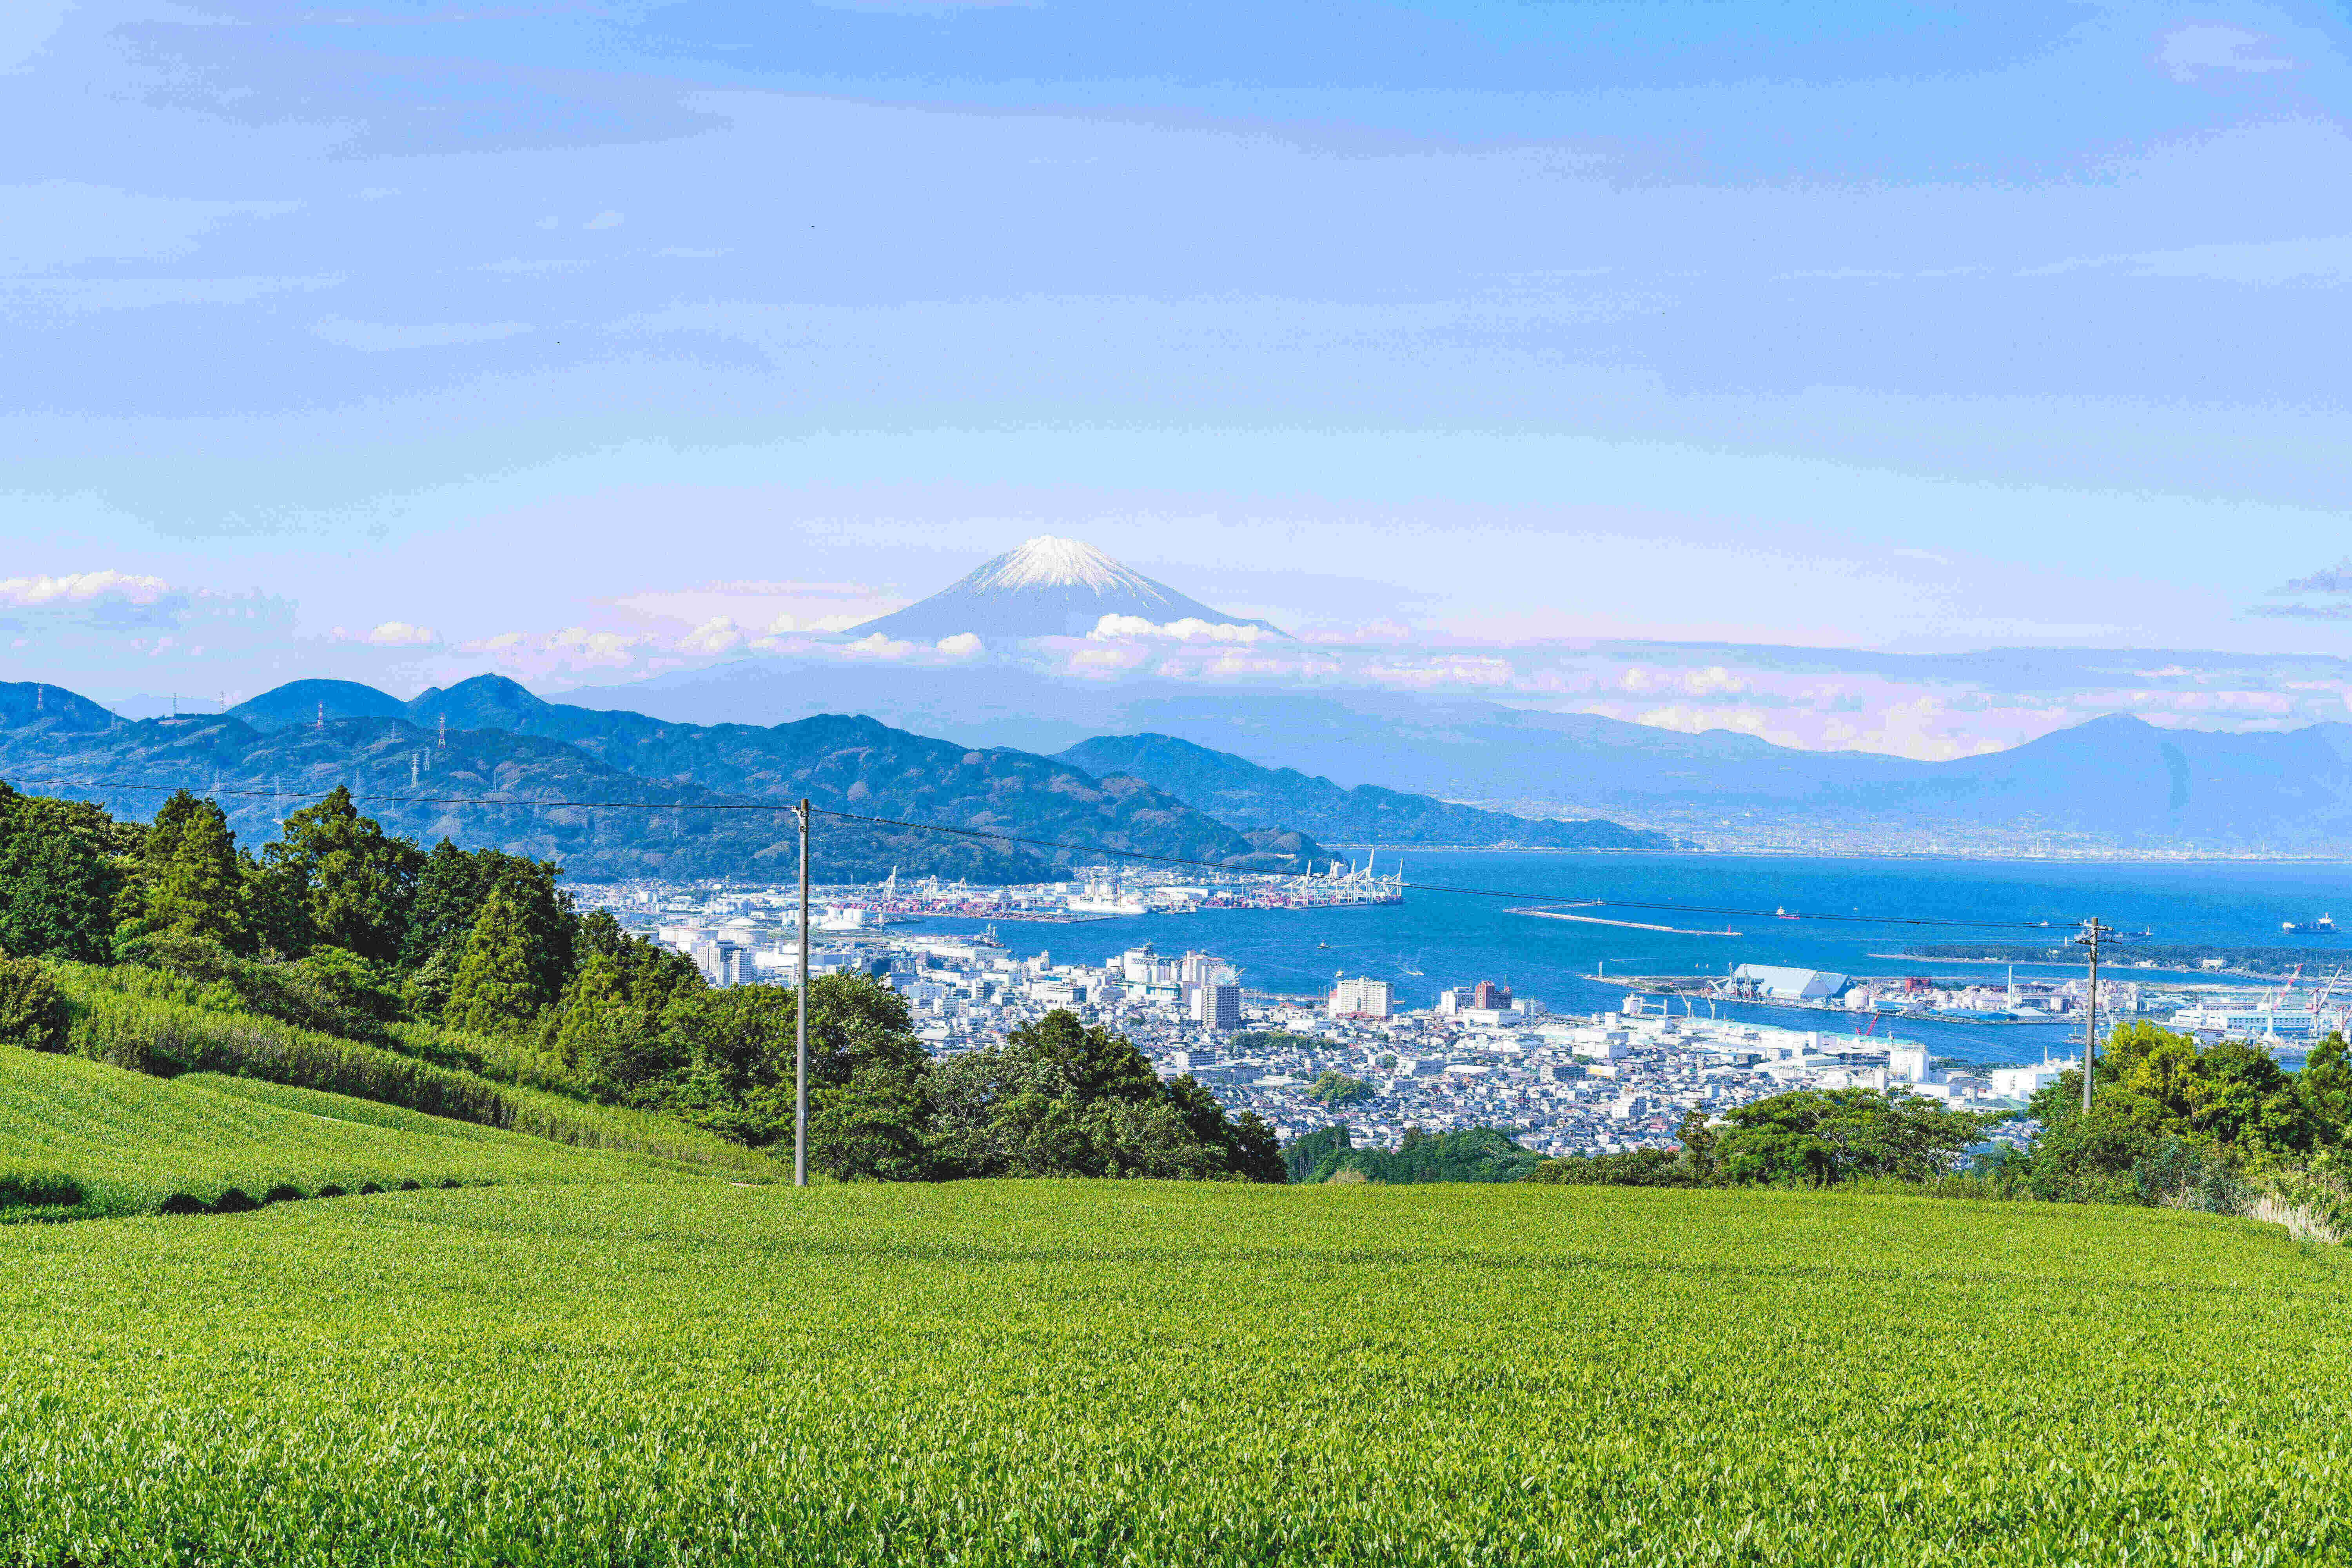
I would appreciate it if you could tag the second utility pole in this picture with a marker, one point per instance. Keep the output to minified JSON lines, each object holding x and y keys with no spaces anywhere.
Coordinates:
{"x":800,"y":1020}
{"x":2093,"y":935}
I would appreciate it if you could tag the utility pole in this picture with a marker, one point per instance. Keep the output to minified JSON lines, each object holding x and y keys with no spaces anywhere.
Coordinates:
{"x":800,"y":1019}
{"x":2093,"y":935}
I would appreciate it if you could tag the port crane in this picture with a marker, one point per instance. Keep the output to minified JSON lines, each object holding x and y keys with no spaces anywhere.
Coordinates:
{"x":2274,"y":1003}
{"x":2326,"y":992}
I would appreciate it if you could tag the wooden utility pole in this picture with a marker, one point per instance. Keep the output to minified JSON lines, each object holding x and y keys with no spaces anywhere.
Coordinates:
{"x":800,"y":1018}
{"x":2093,"y":935}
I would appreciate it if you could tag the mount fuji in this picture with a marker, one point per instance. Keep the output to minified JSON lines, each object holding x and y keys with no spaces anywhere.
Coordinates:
{"x":1047,"y":588}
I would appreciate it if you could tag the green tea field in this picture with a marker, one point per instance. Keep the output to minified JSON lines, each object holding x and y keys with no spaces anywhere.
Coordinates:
{"x":650,"y":1368}
{"x":79,"y":1138}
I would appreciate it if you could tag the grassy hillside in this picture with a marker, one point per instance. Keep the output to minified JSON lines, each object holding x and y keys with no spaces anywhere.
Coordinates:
{"x":688,"y":1372}
{"x":154,"y":1022}
{"x":80,"y":1139}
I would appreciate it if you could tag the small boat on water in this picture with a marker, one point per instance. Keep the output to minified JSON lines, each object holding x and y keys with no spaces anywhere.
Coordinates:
{"x":2324,"y":926}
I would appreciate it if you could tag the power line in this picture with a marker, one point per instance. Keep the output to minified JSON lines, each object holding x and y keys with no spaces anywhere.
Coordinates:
{"x":1525,"y":895}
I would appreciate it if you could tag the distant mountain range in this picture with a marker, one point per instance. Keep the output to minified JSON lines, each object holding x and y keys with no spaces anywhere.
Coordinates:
{"x":1241,"y":794}
{"x":1046,"y":588}
{"x":1353,"y":768}
{"x":2113,"y":785}
{"x":413,"y":764}
{"x":410,"y":763}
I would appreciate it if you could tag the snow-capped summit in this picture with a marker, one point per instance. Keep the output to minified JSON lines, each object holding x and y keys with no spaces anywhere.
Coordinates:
{"x":1047,"y":587}
{"x":1046,"y":562}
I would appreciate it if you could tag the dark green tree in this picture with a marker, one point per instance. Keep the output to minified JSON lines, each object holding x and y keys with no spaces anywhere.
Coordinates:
{"x":1698,"y":1140}
{"x":32,"y":1009}
{"x":1061,"y":1097}
{"x":874,"y":1127}
{"x":352,"y":883}
{"x":1337,"y":1090}
{"x":497,"y":987}
{"x":610,"y":1027}
{"x":1626,"y":1168}
{"x":2228,"y":1102}
{"x":1466,"y":1154}
{"x":2325,"y":1087}
{"x":58,"y":878}
{"x":735,"y":1053}
{"x":188,"y":881}
{"x":1816,"y":1137}
{"x":452,"y":887}
{"x":1303,"y":1158}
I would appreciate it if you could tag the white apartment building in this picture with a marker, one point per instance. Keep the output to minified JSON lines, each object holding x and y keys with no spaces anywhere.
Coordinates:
{"x":1360,"y":998}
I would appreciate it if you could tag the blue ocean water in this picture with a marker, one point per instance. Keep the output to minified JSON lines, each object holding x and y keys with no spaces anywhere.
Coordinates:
{"x":1454,"y":939}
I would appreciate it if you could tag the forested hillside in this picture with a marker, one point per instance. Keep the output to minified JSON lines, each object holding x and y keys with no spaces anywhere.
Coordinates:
{"x":419,"y":776}
{"x":1239,"y":792}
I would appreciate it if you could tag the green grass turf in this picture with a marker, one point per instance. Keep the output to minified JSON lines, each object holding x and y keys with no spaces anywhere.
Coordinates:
{"x":105,"y":1140}
{"x":679,"y":1370}
{"x":154,"y":1022}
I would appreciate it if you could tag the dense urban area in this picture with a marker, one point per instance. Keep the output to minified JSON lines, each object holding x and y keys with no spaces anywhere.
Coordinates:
{"x":1561,"y":1083}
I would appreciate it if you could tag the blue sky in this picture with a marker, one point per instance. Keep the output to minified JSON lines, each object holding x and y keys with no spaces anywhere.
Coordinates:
{"x":403,"y":340}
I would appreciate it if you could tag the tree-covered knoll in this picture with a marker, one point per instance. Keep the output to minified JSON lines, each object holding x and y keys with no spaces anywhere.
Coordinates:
{"x":2174,"y":1121}
{"x":1338,"y":1089}
{"x":1465,"y":1154}
{"x":2172,"y":1117}
{"x":477,"y":962}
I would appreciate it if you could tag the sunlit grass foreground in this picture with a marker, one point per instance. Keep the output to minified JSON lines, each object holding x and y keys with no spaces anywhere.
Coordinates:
{"x":655,"y":1369}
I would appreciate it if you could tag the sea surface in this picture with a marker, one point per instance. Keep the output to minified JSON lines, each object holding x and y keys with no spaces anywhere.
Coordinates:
{"x":1436,"y":940}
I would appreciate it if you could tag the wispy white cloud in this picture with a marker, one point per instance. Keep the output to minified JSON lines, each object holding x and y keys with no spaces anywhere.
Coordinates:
{"x":63,"y":223}
{"x":373,"y":337}
{"x":572,"y":650}
{"x":81,"y":588}
{"x":875,"y":646}
{"x":528,"y":267}
{"x":1190,"y":628}
{"x":2336,"y":579}
{"x":718,"y":634}
{"x":403,"y":634}
{"x":26,"y":27}
{"x":2190,"y":52}
{"x":2255,"y":263}
{"x":31,"y":300}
